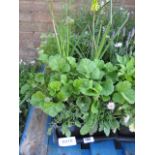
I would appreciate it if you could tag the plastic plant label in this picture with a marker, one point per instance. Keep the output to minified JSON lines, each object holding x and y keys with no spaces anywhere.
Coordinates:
{"x":67,"y":141}
{"x":88,"y":140}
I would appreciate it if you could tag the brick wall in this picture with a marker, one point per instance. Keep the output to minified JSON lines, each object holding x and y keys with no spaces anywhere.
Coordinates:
{"x":34,"y":19}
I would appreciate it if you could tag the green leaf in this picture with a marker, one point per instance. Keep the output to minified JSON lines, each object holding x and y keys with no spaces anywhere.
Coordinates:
{"x":72,"y":61}
{"x":63,"y":78}
{"x":43,"y":57}
{"x":105,"y":98}
{"x":89,"y":69}
{"x":37,"y":99}
{"x":58,"y":63}
{"x":89,"y":125}
{"x":123,"y":86}
{"x":49,"y":131}
{"x":117,"y":98}
{"x":83,"y":102}
{"x":53,"y":109}
{"x":54,"y":85}
{"x":39,"y":77}
{"x":129,"y":96}
{"x":110,"y":67}
{"x":107,"y":130}
{"x":65,"y":92}
{"x":107,"y":87}
{"x":24,"y":88}
{"x":66,"y":131}
{"x":82,"y":84}
{"x":78,"y":124}
{"x":95,"y":107}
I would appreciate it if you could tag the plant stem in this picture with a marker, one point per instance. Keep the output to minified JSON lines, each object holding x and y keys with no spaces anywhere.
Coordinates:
{"x":93,"y":37}
{"x":111,"y":6}
{"x":54,"y":27}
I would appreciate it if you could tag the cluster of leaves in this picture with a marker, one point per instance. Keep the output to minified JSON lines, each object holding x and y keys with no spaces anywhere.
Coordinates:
{"x":25,"y":74}
{"x":77,"y":92}
{"x":83,"y":73}
{"x":84,"y":36}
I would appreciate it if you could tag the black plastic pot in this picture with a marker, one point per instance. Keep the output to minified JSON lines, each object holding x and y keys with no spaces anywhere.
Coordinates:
{"x":125,"y":132}
{"x":122,"y":135}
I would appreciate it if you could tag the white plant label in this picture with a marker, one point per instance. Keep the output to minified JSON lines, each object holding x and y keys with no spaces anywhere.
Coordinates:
{"x":88,"y":140}
{"x":67,"y":141}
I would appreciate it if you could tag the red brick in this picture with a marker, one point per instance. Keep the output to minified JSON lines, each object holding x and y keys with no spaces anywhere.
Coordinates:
{"x":41,"y":17}
{"x":129,"y":2}
{"x":26,"y":6}
{"x":35,"y":27}
{"x":25,"y":17}
{"x":36,"y":39}
{"x":27,"y":54}
{"x":26,"y":40}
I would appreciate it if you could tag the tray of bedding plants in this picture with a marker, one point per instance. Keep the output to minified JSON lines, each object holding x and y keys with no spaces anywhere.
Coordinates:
{"x":122,"y":135}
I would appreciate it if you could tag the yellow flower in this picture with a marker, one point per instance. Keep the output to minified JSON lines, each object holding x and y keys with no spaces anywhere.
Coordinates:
{"x":95,"y":6}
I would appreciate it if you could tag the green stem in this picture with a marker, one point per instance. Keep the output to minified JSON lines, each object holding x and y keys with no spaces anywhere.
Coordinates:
{"x":54,"y":27}
{"x":93,"y":37}
{"x":111,"y":6}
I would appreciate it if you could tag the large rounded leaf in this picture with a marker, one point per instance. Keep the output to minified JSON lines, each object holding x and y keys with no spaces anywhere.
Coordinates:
{"x":37,"y":99}
{"x":107,"y":87}
{"x":59,"y":63}
{"x":89,"y":69}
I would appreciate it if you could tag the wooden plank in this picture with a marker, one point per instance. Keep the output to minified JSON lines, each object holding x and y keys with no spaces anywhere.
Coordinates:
{"x":35,"y":140}
{"x":106,"y":147}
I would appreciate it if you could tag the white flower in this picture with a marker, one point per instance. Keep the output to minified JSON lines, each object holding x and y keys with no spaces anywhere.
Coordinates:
{"x":32,"y":62}
{"x":20,"y":62}
{"x":103,"y":29}
{"x":24,"y":63}
{"x":111,"y":106}
{"x":114,"y":130}
{"x":119,"y":44}
{"x":132,"y":127}
{"x":126,"y":119}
